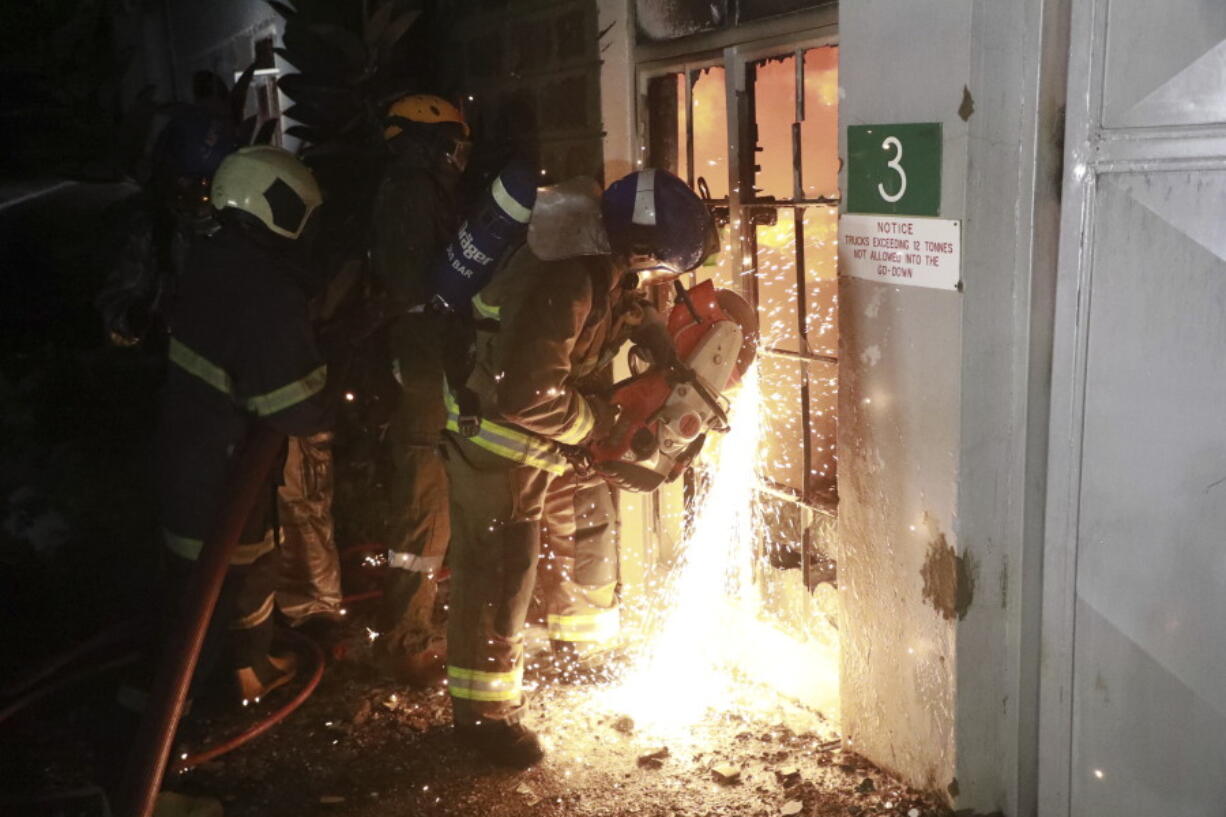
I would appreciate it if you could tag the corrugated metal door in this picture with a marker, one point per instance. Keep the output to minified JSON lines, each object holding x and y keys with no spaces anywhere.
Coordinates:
{"x":1134,"y":634}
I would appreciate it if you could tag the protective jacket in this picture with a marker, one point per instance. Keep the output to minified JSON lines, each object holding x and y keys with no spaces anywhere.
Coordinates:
{"x":545,"y":331}
{"x":241,"y":350}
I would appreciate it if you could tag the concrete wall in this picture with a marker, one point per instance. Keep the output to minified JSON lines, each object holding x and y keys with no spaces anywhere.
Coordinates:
{"x":942,"y":398}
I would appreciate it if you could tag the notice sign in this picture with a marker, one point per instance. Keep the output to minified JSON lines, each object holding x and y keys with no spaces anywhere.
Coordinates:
{"x":918,"y":252}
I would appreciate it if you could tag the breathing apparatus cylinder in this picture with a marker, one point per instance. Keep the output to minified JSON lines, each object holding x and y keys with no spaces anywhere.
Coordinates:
{"x":498,"y":223}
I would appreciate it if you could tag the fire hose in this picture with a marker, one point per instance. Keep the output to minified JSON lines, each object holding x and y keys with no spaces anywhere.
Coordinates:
{"x":266,"y":723}
{"x":147,"y":761}
{"x":41,"y":682}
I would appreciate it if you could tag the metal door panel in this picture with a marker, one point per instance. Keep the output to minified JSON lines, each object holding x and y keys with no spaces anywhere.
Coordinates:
{"x":1166,"y":63}
{"x":1149,"y":657}
{"x":1133,"y":698}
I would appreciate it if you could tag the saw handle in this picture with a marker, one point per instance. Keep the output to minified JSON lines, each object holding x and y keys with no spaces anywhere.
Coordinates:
{"x":684,"y":297}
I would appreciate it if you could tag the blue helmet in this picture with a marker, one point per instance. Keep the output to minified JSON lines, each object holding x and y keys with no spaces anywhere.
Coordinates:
{"x":652,"y":212}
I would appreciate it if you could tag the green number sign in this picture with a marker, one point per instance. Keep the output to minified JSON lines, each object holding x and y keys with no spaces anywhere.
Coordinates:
{"x":894,"y":169}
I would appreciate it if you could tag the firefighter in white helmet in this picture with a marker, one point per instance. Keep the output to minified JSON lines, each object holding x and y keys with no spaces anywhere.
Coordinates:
{"x":241,"y":352}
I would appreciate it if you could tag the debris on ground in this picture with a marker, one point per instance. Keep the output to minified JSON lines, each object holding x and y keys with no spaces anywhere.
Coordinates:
{"x":653,"y":760}
{"x":347,"y":751}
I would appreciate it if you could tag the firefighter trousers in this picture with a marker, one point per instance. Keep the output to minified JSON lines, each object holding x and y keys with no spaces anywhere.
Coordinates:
{"x":512,"y":523}
{"x":310,"y":580}
{"x":420,"y":526}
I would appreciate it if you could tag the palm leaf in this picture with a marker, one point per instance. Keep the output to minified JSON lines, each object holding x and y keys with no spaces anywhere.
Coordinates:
{"x":282,"y":9}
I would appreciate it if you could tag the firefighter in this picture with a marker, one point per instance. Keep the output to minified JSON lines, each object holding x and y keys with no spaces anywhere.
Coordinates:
{"x":551,"y":320}
{"x":241,"y":352}
{"x":171,"y":214}
{"x":416,"y":212}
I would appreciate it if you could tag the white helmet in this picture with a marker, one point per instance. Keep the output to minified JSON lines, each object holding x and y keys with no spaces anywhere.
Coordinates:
{"x":269,"y":183}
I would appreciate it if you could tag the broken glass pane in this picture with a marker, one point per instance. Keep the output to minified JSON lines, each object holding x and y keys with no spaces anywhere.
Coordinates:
{"x":774,"y":90}
{"x":710,"y":131}
{"x":820,"y":130}
{"x":661,"y":20}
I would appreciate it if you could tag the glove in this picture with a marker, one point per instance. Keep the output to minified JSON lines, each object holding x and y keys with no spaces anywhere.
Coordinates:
{"x":579,"y":457}
{"x":605,"y":414}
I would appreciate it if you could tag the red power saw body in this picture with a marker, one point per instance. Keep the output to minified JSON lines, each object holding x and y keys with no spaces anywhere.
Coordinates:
{"x":664,"y":413}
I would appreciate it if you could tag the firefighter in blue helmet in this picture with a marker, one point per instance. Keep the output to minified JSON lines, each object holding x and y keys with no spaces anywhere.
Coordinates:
{"x":241,"y":352}
{"x":549,"y":323}
{"x":170,"y":215}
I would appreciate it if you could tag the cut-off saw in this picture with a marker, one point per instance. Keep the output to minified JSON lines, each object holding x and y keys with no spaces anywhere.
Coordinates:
{"x":666,"y":409}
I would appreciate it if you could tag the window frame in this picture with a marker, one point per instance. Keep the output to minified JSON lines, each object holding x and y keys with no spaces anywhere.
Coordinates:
{"x":711,"y":50}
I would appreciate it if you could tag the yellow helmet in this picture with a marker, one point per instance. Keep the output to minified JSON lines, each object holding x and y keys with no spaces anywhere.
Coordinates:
{"x":271,"y":184}
{"x":425,"y":108}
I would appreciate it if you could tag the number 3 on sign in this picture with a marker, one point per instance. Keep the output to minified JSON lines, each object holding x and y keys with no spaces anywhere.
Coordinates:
{"x":894,"y":164}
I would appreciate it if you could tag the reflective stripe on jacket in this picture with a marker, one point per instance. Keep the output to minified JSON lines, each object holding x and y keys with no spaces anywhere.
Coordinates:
{"x":261,"y":405}
{"x":508,"y":442}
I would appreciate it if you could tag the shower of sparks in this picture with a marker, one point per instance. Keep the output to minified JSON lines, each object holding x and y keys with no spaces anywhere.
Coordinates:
{"x":681,"y":672}
{"x":707,"y":631}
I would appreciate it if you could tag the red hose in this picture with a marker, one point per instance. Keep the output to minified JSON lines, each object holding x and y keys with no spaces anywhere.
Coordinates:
{"x":365,"y":595}
{"x":60,"y":660}
{"x":205,"y":755}
{"x":39,"y":693}
{"x":150,"y":749}
{"x":369,"y":547}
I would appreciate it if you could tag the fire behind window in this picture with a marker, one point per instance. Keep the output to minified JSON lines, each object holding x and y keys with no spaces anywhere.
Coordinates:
{"x":788,"y":191}
{"x":786,"y":194}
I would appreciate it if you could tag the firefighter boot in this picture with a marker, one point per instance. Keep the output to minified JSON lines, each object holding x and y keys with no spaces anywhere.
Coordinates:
{"x":254,"y":684}
{"x":502,"y":742}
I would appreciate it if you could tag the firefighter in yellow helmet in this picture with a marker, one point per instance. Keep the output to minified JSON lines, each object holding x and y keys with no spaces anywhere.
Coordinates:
{"x":241,"y":352}
{"x":416,"y":212}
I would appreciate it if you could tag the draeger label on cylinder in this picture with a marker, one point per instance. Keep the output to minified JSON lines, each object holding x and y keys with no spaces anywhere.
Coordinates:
{"x":901,"y":250}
